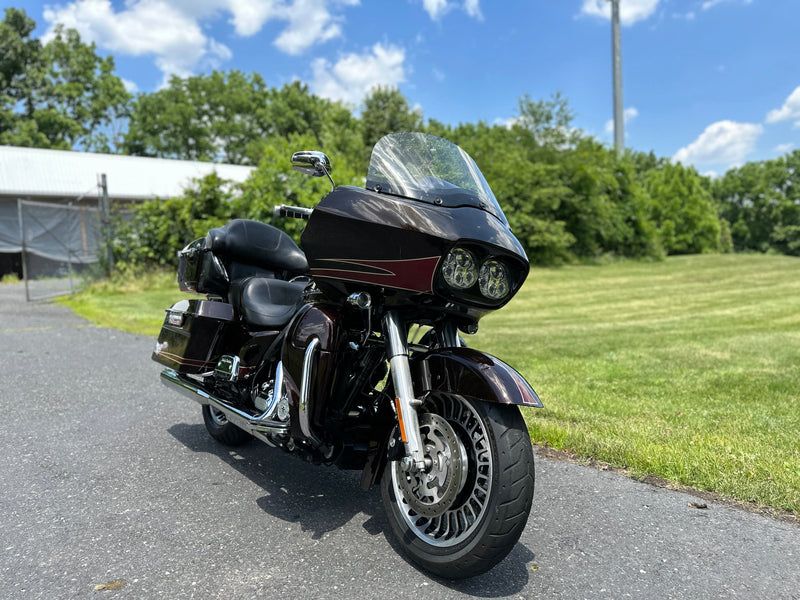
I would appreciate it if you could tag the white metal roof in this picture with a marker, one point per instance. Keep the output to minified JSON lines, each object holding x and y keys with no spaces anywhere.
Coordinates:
{"x":33,"y":172}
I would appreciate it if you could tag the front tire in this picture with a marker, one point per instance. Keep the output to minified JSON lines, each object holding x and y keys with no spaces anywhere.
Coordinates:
{"x":466,"y":514}
{"x":223,"y":430}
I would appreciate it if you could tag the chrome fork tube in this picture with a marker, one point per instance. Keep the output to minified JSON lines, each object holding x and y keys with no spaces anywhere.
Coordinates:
{"x":397,"y":353}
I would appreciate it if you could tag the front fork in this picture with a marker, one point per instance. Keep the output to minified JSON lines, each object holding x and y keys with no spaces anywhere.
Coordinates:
{"x":406,"y":402}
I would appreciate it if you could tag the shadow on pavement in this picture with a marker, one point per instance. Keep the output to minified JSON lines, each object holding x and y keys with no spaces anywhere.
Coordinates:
{"x":323,"y":499}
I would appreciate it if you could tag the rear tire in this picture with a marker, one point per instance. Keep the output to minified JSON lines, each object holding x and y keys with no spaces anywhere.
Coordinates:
{"x":223,"y":430}
{"x":477,"y":511}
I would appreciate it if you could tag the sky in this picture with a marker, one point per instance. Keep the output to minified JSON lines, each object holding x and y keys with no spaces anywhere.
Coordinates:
{"x":709,"y":83}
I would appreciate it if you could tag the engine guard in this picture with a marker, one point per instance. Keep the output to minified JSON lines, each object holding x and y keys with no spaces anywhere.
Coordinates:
{"x":462,"y":371}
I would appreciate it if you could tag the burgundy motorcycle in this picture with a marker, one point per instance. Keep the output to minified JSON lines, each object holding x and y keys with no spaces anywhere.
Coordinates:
{"x":347,"y":352}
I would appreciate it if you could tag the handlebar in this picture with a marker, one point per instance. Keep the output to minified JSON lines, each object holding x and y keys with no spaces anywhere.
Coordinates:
{"x":292,"y":212}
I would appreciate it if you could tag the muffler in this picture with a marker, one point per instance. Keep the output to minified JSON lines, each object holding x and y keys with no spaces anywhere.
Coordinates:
{"x":257,"y":426}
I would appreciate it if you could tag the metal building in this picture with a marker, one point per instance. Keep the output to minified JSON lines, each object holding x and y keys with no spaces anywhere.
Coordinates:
{"x":51,"y":203}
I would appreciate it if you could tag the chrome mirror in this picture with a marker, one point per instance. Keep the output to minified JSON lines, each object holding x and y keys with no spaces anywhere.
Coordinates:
{"x":310,"y":162}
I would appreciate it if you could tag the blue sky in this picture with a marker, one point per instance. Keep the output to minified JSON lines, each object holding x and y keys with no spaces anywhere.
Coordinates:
{"x":712,"y":83}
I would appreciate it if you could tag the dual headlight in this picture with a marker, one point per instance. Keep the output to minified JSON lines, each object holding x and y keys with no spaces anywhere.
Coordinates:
{"x":460,"y":271}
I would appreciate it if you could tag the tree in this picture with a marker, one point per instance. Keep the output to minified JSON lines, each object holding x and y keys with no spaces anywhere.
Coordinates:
{"x":58,"y":95}
{"x":682,"y":210}
{"x":609,"y":212}
{"x":213,"y":117}
{"x":761,"y":201}
{"x":386,"y":111}
{"x":549,"y":121}
{"x":225,"y":116}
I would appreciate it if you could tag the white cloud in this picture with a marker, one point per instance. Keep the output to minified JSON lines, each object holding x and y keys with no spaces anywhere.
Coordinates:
{"x":144,"y":27}
{"x":438,"y":8}
{"x":789,"y":110}
{"x":473,"y":8}
{"x":630,"y":11}
{"x":722,"y":143}
{"x":508,"y":122}
{"x":171,"y":30}
{"x":309,"y":23}
{"x":249,"y":16}
{"x":353,"y":75}
{"x":712,"y":3}
{"x":628,"y":115}
{"x":130,"y":86}
{"x":435,"y":8}
{"x":783,"y":148}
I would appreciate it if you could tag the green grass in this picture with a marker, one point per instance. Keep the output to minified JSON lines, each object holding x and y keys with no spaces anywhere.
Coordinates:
{"x":686,"y":369}
{"x":132,"y":303}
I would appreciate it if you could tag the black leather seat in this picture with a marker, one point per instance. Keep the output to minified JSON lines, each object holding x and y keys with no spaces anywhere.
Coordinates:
{"x":258,"y":244}
{"x":266,"y":303}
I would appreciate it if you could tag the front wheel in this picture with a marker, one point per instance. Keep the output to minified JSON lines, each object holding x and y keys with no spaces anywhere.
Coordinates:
{"x":464,"y":515}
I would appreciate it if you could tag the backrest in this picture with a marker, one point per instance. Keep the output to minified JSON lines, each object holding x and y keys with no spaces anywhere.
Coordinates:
{"x":258,"y":244}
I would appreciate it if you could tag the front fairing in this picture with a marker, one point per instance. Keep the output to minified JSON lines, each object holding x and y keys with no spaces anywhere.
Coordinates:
{"x":358,"y":238}
{"x":424,"y":197}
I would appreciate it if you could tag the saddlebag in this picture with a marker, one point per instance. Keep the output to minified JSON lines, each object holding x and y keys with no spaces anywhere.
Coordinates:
{"x":190,"y":337}
{"x":199,"y":270}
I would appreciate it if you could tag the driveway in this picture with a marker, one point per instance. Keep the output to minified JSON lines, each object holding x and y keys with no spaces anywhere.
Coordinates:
{"x":109,"y":479}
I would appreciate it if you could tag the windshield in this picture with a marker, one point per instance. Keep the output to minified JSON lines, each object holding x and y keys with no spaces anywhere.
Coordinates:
{"x":431,"y":169}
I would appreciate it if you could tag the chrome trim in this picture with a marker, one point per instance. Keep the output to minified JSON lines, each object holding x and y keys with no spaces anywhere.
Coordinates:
{"x":277,"y":394}
{"x":360,"y":300}
{"x":258,"y":426}
{"x":277,"y":391}
{"x":397,"y":353}
{"x":305,"y":387}
{"x":227,"y":367}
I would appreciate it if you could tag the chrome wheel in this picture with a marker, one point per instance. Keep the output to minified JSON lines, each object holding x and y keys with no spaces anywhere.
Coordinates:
{"x":444,"y":505}
{"x":467,"y":510}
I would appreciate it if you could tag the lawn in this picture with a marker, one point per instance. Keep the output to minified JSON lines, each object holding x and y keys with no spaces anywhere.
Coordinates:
{"x":134,"y":304}
{"x":686,"y":369}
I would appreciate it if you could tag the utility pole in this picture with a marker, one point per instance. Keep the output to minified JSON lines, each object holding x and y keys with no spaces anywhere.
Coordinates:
{"x":616,"y":51}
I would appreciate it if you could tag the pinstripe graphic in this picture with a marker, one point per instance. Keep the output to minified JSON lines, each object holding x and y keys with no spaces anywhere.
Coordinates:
{"x":415,"y":274}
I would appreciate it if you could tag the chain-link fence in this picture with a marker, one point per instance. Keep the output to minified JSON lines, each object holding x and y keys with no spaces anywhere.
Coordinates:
{"x":61,"y":247}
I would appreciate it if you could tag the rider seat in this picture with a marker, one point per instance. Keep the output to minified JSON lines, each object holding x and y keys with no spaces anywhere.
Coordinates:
{"x":266,"y":303}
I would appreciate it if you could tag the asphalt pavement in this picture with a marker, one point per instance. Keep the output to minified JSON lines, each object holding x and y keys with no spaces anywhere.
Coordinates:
{"x":109,"y":480}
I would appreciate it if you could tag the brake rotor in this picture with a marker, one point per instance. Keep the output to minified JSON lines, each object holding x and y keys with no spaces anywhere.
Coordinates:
{"x":430,"y":493}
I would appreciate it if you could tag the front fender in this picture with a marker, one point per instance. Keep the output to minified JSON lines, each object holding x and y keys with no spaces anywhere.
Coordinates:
{"x":468,"y":372}
{"x":461,"y":371}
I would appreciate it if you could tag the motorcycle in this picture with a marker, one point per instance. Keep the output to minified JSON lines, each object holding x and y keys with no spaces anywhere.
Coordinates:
{"x":348,"y":352}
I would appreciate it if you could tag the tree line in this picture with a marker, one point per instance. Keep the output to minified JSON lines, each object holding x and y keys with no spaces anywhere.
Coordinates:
{"x":567,"y":196}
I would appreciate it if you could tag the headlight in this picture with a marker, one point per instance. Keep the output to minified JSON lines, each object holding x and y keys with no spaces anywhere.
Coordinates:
{"x":493,"y":280}
{"x":459,"y":269}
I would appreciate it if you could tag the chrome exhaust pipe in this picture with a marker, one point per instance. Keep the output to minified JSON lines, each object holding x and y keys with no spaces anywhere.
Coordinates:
{"x":258,"y":426}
